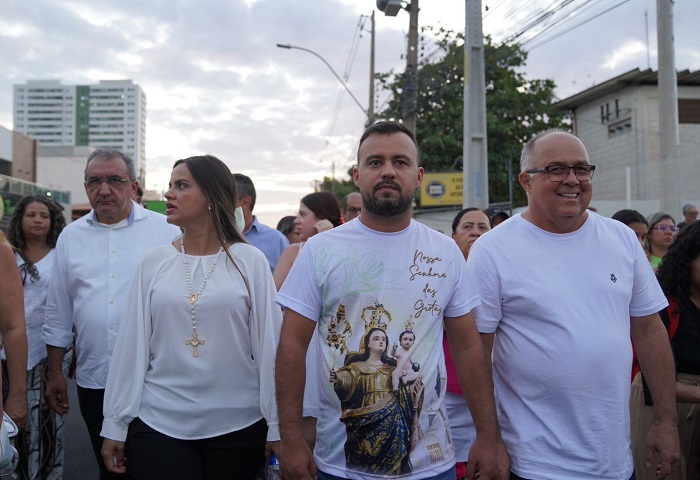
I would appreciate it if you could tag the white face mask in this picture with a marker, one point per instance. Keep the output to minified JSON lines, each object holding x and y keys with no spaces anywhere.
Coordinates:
{"x":240,"y":221}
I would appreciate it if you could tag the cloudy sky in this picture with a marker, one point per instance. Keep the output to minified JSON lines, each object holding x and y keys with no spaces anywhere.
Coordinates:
{"x":216,"y":82}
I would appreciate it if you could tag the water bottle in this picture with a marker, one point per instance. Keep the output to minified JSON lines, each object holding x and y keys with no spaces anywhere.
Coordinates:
{"x":273,"y":468}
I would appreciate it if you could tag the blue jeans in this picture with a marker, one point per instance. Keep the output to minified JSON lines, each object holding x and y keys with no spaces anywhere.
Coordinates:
{"x":447,"y":475}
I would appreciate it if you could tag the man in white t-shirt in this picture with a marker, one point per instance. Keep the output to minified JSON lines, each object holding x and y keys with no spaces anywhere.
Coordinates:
{"x":562,"y":291}
{"x":363,"y":286}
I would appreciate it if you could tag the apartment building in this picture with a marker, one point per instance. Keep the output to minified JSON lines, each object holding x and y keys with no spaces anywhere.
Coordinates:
{"x":109,"y":114}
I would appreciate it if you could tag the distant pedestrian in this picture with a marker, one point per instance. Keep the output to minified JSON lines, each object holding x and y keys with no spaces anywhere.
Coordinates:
{"x":352,"y":206}
{"x":270,"y":241}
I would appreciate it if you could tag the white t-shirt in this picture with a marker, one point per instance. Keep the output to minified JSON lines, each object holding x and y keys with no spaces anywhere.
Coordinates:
{"x":352,"y":278}
{"x":560,"y":305}
{"x":153,"y":373}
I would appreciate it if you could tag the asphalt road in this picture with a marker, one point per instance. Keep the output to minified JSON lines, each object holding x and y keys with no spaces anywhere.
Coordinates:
{"x":79,"y":461}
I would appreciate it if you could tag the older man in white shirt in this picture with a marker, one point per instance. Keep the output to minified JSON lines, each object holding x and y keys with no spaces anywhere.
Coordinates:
{"x":96,"y":259}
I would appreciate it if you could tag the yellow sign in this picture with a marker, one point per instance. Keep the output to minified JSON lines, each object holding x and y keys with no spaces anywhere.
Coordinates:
{"x":441,"y":189}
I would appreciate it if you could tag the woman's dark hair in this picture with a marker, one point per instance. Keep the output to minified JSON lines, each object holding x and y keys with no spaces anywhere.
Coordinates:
{"x":286,"y":224}
{"x":15,"y":234}
{"x":324,"y":205}
{"x":458,"y":217}
{"x":627,"y":216}
{"x":363,"y":354}
{"x":215,"y":180}
{"x":653,"y":221}
{"x":675,"y":272}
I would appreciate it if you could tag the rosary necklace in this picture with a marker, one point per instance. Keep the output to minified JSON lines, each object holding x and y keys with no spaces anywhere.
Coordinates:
{"x":195,"y":341}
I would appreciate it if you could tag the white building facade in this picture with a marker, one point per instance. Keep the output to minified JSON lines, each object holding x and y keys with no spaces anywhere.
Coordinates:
{"x":110,"y":114}
{"x":618,"y":122}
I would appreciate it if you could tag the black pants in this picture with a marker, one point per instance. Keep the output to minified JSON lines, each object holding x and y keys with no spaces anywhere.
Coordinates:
{"x":91,"y":401}
{"x":152,"y":455}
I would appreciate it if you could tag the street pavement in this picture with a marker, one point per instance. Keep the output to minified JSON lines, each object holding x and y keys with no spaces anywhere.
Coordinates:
{"x":79,"y":461}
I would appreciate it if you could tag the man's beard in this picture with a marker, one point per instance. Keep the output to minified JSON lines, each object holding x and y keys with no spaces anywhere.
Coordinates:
{"x":387,"y":207}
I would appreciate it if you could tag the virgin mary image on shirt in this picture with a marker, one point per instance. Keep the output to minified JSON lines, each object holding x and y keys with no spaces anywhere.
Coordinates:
{"x":379,"y":422}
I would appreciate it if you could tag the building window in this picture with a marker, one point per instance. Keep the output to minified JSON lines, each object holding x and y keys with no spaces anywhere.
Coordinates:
{"x":688,"y":110}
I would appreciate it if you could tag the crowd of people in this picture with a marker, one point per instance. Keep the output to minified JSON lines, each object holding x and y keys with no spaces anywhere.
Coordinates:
{"x":352,"y":341}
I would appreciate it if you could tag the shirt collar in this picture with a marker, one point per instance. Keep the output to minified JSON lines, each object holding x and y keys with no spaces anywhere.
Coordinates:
{"x":133,"y":215}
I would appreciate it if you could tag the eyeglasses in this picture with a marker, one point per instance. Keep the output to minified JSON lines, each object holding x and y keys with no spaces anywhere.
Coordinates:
{"x":112,"y":182}
{"x":666,"y":228}
{"x":558,"y":173}
{"x":354,"y":210}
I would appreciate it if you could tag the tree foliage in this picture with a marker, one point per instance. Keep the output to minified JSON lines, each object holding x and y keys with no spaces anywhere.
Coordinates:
{"x":516,"y":107}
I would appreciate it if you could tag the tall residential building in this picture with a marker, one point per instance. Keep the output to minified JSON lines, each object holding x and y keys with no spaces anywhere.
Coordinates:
{"x":110,"y":114}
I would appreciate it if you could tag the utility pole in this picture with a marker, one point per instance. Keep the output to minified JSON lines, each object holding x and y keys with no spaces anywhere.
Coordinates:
{"x":409,"y":97}
{"x":475,"y":166}
{"x":370,"y":109}
{"x":670,"y":177}
{"x":411,"y":90}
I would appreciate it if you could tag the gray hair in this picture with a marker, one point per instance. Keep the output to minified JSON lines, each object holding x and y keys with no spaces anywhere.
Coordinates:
{"x":344,"y":202}
{"x":526,"y":157}
{"x":687,"y":207}
{"x":111,"y":154}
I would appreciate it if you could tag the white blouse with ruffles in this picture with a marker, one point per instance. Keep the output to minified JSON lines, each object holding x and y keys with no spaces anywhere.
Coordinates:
{"x":153,"y":374}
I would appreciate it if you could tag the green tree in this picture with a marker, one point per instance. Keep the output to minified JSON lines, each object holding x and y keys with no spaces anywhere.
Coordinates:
{"x":516,"y":107}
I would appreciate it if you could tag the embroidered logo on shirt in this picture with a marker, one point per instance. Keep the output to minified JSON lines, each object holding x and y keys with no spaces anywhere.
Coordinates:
{"x":613,"y":278}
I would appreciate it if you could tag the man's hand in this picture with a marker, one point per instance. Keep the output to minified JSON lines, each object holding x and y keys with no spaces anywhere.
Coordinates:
{"x":297,"y":461}
{"x":16,"y":408}
{"x":663,"y":449}
{"x":57,"y":392}
{"x":113,"y":455}
{"x":488,"y":460}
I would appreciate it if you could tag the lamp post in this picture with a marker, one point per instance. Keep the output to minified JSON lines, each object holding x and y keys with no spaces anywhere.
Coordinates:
{"x":409,"y":99}
{"x":288,"y":46}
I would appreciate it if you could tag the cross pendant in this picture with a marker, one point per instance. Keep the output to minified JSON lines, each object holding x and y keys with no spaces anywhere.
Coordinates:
{"x":194,"y":342}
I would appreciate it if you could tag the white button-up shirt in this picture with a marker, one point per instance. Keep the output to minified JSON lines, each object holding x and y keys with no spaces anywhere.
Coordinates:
{"x":92,"y":274}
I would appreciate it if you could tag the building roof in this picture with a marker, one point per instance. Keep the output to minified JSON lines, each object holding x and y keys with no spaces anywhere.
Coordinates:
{"x":632,"y":78}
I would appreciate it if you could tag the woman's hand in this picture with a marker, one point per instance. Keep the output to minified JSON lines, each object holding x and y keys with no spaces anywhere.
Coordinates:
{"x":323,"y":225}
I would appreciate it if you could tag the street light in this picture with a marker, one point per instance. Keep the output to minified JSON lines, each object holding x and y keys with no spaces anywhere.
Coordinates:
{"x":288,"y":46}
{"x":410,"y":92}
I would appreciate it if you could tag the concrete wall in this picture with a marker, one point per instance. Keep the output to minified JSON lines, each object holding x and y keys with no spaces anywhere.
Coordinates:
{"x":625,"y":146}
{"x":63,"y":168}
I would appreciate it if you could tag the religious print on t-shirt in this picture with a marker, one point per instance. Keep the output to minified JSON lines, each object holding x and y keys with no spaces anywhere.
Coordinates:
{"x":380,"y":360}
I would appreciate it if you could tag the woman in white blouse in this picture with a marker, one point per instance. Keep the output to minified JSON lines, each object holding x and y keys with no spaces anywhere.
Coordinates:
{"x":190,"y":391}
{"x":34,"y":227}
